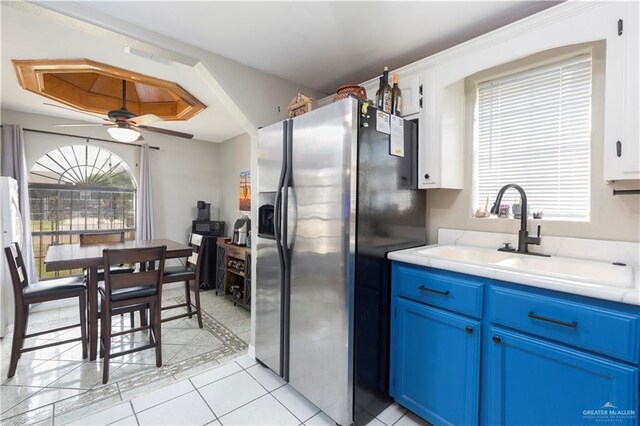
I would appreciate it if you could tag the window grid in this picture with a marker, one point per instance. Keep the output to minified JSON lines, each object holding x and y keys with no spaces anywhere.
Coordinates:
{"x":75,"y":189}
{"x":533,"y":128}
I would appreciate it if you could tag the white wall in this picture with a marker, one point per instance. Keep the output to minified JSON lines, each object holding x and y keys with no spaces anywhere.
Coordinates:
{"x":183,"y":171}
{"x":234,"y":157}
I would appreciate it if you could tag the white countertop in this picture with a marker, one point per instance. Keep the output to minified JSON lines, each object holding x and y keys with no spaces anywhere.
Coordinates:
{"x":569,"y":275}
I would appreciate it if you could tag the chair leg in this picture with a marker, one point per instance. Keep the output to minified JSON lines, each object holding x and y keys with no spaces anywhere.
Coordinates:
{"x":132,"y":320}
{"x":106,"y":338}
{"x":19,"y":329}
{"x":143,"y":317}
{"x":155,"y":314}
{"x":198,"y":308}
{"x":187,"y":295}
{"x":83,"y":324}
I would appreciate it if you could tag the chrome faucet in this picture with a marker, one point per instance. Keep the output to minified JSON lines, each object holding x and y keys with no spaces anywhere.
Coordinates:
{"x":523,"y":235}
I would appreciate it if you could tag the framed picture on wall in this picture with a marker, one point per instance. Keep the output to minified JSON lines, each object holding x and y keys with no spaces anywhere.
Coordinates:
{"x":245,"y":191}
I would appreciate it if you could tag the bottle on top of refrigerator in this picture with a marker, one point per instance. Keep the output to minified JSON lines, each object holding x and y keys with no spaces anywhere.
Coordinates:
{"x":396,"y":104}
{"x":384,"y":95}
{"x":386,"y":92}
{"x":379,"y":92}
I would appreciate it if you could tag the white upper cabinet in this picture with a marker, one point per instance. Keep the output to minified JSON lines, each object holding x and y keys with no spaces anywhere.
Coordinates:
{"x":409,"y":85}
{"x":622,"y":115}
{"x":441,"y":133}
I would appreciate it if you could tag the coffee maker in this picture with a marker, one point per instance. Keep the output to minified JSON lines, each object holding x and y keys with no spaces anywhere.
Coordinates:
{"x":241,"y":230}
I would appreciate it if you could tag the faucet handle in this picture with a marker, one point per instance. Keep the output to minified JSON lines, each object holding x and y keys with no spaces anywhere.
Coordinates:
{"x":507,"y":247}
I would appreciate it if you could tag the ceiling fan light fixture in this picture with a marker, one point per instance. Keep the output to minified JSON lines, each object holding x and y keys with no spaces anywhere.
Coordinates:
{"x":123,"y":134}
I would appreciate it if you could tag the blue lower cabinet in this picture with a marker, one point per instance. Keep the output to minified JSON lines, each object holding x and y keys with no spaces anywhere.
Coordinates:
{"x":534,"y":382}
{"x":435,"y":364}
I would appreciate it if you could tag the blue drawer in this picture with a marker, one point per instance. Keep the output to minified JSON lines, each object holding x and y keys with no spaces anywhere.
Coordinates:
{"x":448,"y":290}
{"x":601,"y":330}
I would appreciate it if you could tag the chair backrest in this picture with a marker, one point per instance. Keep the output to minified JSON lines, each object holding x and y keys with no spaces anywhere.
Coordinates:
{"x":87,"y":239}
{"x":17,"y":270}
{"x":124,"y":280}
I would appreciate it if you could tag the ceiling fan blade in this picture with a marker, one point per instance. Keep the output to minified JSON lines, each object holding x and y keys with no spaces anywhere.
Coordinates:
{"x":166,"y":132}
{"x":143,"y":120}
{"x":76,"y":110}
{"x":84,"y":125}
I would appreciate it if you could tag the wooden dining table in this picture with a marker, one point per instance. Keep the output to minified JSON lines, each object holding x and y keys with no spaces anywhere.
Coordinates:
{"x":89,"y":257}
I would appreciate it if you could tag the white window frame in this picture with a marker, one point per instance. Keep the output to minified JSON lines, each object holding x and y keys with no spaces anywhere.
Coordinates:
{"x":508,"y":70}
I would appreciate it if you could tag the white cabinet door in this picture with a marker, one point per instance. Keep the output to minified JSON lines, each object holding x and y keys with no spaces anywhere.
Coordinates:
{"x":621,"y":135}
{"x":441,"y":133}
{"x":409,"y":84}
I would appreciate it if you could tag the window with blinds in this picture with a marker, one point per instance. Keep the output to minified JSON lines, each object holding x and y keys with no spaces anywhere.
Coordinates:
{"x":533,"y":128}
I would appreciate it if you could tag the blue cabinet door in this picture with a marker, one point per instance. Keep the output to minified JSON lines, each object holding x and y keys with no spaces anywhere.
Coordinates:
{"x":435,"y":365}
{"x":533,"y":382}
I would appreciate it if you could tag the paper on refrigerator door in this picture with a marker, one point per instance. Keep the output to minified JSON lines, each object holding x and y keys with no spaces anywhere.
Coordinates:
{"x":382,"y":122}
{"x":396,"y":142}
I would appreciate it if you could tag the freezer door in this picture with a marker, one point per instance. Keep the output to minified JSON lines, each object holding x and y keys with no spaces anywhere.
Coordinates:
{"x":268,"y":344}
{"x":322,"y":244}
{"x":269,"y":157}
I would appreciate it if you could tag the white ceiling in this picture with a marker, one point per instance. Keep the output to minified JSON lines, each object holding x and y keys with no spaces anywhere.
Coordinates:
{"x":322,"y":45}
{"x":28,"y":36}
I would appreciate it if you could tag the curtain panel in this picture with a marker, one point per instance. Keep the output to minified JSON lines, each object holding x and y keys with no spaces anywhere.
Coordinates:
{"x":14,"y":164}
{"x":145,"y":224}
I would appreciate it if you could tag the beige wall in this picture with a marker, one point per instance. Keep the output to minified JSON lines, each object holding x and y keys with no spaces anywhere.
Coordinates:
{"x":183,"y":171}
{"x":234,"y":157}
{"x":612,"y":218}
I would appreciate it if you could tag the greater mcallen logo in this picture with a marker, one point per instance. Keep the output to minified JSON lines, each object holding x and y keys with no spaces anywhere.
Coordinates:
{"x":609,"y":413}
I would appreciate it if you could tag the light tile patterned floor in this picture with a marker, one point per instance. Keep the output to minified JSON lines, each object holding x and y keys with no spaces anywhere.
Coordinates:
{"x":239,"y":392}
{"x":55,"y":385}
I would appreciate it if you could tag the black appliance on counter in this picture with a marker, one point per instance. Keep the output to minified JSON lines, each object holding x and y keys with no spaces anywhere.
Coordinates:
{"x":209,"y":228}
{"x":210,"y":231}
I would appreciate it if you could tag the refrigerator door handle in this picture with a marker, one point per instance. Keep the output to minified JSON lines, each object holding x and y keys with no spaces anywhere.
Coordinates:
{"x":286,"y":288}
{"x":278,"y":200}
{"x":278,"y":234}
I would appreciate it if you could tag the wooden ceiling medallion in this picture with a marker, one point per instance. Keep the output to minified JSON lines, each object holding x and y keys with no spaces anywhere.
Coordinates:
{"x":95,"y":87}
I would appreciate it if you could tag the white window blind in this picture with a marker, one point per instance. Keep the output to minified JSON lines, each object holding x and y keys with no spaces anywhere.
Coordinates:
{"x":533,"y":128}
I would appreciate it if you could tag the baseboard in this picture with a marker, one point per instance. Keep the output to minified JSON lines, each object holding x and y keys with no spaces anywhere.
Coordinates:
{"x":252,"y":351}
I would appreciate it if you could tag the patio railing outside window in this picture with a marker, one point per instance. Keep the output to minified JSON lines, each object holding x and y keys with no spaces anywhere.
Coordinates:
{"x":77,"y":189}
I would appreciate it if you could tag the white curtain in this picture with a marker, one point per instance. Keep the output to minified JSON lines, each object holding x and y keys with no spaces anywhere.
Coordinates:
{"x":14,"y":164}
{"x":145,"y":222}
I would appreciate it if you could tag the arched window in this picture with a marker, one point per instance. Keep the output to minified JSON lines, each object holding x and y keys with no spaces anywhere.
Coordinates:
{"x":76,"y":189}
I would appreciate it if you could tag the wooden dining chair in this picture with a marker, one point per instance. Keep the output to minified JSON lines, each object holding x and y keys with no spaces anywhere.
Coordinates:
{"x":190,"y":271}
{"x":26,"y":294}
{"x":125,"y":292}
{"x":101,"y":238}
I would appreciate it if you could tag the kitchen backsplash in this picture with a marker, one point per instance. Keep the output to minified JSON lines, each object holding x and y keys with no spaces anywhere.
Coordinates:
{"x":602,"y":250}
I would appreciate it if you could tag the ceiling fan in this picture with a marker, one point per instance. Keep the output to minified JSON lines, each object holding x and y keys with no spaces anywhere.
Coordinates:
{"x":123,"y":125}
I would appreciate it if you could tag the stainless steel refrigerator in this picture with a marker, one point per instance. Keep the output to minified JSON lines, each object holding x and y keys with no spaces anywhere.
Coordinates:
{"x":332,"y":202}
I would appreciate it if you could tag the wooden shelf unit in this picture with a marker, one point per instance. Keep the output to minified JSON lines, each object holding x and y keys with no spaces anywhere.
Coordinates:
{"x":230,"y":275}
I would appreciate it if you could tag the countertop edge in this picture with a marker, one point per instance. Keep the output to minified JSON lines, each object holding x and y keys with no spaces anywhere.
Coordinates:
{"x":629,"y":296}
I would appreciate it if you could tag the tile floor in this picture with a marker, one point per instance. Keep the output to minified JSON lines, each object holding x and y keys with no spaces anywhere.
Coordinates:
{"x":206,"y":379}
{"x":239,"y":392}
{"x":55,"y":385}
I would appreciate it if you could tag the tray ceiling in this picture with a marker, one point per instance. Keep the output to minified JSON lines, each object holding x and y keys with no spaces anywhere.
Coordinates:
{"x":96,"y":87}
